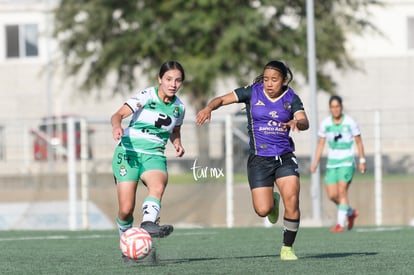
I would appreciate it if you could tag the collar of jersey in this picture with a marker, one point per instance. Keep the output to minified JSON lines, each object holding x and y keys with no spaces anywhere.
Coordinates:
{"x":172,"y":100}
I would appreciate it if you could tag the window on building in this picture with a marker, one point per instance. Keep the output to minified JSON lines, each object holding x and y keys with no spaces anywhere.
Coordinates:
{"x":21,"y":41}
{"x":410,"y":34}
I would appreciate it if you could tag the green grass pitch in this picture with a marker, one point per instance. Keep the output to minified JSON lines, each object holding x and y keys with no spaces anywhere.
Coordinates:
{"x":367,"y":250}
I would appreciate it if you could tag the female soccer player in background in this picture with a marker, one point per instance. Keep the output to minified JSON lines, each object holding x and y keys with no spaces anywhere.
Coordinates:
{"x":340,"y":130}
{"x":273,"y":109}
{"x":157,"y":115}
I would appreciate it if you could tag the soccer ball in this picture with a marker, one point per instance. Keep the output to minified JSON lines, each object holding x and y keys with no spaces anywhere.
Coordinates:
{"x":135,"y":243}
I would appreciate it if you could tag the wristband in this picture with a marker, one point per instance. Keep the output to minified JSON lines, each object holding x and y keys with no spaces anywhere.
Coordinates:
{"x":362,"y":160}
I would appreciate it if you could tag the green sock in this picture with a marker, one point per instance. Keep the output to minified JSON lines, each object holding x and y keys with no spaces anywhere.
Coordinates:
{"x":124,"y":225}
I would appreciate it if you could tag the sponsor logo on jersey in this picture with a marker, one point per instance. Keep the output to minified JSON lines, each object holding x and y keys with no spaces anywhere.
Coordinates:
{"x":259,"y":103}
{"x":273,"y":114}
{"x":273,"y":123}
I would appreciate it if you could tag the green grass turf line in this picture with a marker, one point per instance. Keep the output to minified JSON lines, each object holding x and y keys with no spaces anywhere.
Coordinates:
{"x":367,"y":250}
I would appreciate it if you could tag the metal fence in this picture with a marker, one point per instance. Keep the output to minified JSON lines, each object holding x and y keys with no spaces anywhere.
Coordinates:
{"x":34,"y":169}
{"x":25,"y":145}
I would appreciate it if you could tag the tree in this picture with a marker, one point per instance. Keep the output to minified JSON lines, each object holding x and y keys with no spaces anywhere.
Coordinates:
{"x":213,"y":39}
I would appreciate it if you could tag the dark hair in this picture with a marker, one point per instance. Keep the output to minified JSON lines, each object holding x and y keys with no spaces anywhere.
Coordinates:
{"x":278,"y":66}
{"x":337,"y":98}
{"x":171,"y":65}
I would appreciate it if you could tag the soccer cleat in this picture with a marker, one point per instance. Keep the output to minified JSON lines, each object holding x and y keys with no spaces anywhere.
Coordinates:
{"x":157,"y":231}
{"x":274,"y":215}
{"x":287,"y":254}
{"x":351,"y":219}
{"x":337,"y":229}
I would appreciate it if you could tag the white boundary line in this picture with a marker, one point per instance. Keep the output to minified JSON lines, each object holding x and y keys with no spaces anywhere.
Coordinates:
{"x":378,"y":229}
{"x":99,"y":236}
{"x":94,"y":236}
{"x":56,"y":237}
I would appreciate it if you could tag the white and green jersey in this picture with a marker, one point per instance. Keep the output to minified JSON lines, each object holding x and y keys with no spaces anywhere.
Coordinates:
{"x":340,"y":138}
{"x":152,"y":122}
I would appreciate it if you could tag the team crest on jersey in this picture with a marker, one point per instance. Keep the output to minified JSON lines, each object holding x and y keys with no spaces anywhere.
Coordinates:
{"x":259,"y":103}
{"x":122,"y":171}
{"x":176,"y":112}
{"x":287,"y":106}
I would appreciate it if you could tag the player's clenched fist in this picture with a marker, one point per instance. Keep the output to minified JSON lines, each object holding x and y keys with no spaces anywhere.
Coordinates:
{"x":117,"y":133}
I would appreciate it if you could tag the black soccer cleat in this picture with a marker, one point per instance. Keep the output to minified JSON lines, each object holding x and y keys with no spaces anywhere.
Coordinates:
{"x":157,"y":231}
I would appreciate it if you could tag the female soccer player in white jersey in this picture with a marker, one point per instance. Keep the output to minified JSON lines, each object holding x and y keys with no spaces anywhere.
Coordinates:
{"x":340,"y":130}
{"x":157,"y":116}
{"x":273,"y":110}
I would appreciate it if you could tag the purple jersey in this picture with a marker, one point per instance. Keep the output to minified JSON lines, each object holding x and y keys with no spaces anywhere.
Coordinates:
{"x":268,"y":137}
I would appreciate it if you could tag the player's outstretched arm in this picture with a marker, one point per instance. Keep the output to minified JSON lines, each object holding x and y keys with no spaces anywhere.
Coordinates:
{"x":205,"y":114}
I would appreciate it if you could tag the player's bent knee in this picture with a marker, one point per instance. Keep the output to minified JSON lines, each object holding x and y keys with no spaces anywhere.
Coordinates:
{"x":333,"y":198}
{"x":263,"y":211}
{"x":125,"y":213}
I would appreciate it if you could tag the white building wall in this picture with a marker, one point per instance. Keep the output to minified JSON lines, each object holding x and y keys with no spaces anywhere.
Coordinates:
{"x":386,"y":79}
{"x":392,"y":20}
{"x":33,"y":87}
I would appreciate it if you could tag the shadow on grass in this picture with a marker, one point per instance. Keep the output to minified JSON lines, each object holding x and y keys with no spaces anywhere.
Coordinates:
{"x":155,"y":261}
{"x":339,"y":255}
{"x":161,"y":262}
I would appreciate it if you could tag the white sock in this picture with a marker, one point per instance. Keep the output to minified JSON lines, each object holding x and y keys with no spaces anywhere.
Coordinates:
{"x":150,"y":209}
{"x":341,"y":217}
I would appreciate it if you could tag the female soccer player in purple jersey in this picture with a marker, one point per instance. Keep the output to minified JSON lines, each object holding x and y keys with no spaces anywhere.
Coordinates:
{"x":273,"y":110}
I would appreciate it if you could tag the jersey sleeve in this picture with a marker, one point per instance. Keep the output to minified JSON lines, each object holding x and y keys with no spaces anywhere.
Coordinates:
{"x":244,"y":93}
{"x":180,"y":119}
{"x":354,"y":128}
{"x":297,"y":104}
{"x":137,"y":101}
